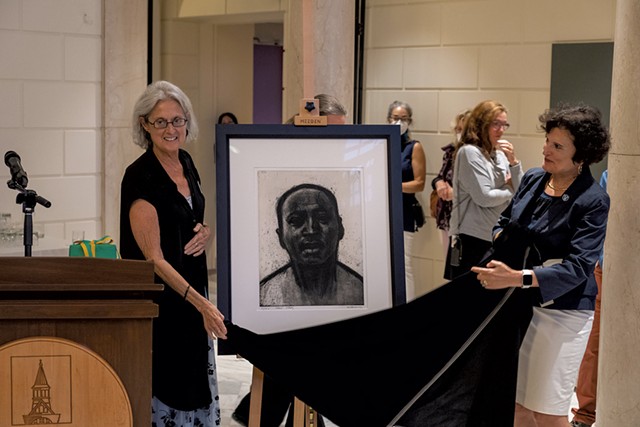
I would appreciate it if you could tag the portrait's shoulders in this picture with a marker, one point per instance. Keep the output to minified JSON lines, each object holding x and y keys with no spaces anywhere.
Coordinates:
{"x":350,"y":286}
{"x":348,"y":272}
{"x":279,"y":288}
{"x":276,"y":275}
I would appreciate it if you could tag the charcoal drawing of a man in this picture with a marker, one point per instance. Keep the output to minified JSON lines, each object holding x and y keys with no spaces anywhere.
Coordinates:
{"x":310,"y":229}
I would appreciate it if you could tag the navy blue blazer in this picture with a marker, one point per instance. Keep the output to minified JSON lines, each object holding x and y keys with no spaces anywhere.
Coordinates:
{"x":571,"y":230}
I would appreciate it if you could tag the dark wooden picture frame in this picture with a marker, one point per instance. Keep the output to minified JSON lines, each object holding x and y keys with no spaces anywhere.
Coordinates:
{"x":360,"y":164}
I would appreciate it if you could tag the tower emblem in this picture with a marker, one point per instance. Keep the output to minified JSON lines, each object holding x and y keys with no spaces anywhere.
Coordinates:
{"x":41,"y":411}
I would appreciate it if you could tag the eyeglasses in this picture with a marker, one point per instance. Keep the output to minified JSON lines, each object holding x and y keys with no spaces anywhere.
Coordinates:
{"x":178,"y":122}
{"x":497,"y":125}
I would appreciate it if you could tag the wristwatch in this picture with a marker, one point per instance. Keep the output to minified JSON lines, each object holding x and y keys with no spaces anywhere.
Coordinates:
{"x":527,"y":279}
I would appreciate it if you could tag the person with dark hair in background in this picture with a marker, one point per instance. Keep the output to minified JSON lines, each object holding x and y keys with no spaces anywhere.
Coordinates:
{"x":227,"y":119}
{"x":486,"y":173}
{"x":161,"y":220}
{"x":562,"y":213}
{"x":443,"y":182}
{"x":414,"y":170}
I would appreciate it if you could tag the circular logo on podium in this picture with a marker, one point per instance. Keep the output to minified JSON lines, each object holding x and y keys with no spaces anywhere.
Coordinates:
{"x":48,"y":380}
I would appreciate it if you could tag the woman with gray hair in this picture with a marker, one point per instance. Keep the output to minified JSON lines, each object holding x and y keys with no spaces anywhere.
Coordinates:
{"x":161,"y":220}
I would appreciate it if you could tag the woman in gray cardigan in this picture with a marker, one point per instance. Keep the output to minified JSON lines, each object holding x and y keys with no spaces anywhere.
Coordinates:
{"x":486,"y":174}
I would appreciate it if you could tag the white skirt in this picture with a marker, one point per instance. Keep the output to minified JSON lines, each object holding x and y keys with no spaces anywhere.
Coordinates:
{"x":550,"y":358}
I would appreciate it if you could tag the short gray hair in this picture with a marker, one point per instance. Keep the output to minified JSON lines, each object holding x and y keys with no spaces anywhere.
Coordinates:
{"x":154,"y":93}
{"x":330,"y":106}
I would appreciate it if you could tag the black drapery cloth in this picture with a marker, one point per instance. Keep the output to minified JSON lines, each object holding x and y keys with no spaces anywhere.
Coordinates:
{"x":448,"y":358}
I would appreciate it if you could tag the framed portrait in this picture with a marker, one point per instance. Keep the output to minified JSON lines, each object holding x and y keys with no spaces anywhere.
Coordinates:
{"x":309,"y":223}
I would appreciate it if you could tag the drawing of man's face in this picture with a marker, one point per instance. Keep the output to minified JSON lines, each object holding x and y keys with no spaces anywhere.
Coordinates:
{"x":310,"y":227}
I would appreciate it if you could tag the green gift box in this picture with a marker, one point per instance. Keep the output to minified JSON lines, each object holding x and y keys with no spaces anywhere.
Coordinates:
{"x":102,"y":248}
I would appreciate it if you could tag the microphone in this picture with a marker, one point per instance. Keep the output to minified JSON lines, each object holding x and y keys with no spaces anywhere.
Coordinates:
{"x":18,"y":175}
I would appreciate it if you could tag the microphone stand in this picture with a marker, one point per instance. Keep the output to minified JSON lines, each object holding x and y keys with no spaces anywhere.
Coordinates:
{"x":28,"y":199}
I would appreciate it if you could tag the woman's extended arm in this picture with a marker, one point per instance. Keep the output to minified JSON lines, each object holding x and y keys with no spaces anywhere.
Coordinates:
{"x":439,"y":183}
{"x":146,"y":231}
{"x":419,"y":166}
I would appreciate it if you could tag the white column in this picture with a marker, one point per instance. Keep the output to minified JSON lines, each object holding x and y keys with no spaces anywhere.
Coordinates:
{"x":619,"y":370}
{"x":333,"y":50}
{"x":125,"y":77}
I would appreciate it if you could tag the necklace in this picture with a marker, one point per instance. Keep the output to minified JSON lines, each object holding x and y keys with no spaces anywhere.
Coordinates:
{"x":554,"y":188}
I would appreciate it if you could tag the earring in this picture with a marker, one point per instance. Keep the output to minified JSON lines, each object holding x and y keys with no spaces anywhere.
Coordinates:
{"x":580,"y":169}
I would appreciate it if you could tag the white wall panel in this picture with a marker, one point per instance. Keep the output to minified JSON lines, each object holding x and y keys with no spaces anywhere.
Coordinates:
{"x":63,"y":16}
{"x":568,"y":20}
{"x":59,"y":104}
{"x":11,"y":105}
{"x":10,"y":17}
{"x":31,"y":55}
{"x":404,"y":25}
{"x":515,"y":66}
{"x":384,"y":68}
{"x":83,"y":59}
{"x":82,"y":152}
{"x":442,"y":68}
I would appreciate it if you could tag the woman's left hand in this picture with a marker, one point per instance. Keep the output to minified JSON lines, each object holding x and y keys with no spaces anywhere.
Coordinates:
{"x":213,"y":321}
{"x":198,"y":244}
{"x":448,"y":193}
{"x":508,"y":150}
{"x":498,"y":275}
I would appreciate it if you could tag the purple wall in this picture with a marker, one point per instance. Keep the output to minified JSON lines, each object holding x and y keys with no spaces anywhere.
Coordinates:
{"x":267,"y":84}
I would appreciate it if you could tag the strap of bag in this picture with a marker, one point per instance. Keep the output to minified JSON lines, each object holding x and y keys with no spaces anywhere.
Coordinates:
{"x":457,"y":196}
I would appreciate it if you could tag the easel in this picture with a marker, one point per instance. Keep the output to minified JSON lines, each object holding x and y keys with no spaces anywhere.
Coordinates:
{"x":303,"y":414}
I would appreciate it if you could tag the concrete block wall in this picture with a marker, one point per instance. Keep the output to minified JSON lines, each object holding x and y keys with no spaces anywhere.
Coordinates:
{"x":444,"y":56}
{"x":51,"y":110}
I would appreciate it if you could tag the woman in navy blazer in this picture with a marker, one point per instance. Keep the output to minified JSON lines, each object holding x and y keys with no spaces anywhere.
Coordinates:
{"x":562,"y":212}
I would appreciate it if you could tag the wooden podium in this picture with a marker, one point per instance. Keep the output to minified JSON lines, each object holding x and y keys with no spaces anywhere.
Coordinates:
{"x":75,"y":341}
